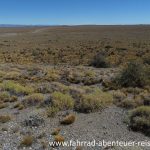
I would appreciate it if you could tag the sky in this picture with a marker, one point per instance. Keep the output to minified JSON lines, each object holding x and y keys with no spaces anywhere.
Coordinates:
{"x":74,"y":12}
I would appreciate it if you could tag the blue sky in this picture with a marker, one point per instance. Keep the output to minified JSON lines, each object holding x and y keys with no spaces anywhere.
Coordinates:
{"x":73,"y":12}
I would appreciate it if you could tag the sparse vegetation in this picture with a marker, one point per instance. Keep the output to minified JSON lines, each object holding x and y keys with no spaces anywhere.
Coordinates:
{"x":68,"y":119}
{"x":48,"y":81}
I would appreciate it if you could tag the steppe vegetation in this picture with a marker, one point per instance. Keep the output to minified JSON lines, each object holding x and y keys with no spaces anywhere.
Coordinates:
{"x":61,"y":80}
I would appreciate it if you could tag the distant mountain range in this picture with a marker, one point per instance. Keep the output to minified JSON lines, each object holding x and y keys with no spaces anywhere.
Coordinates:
{"x":13,"y":25}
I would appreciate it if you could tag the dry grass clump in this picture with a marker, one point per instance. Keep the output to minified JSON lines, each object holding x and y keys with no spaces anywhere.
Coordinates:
{"x":57,"y":86}
{"x":3,"y":105}
{"x":75,"y":76}
{"x":33,"y":99}
{"x":86,"y":77}
{"x":59,"y":138}
{"x":94,"y":101}
{"x":68,"y":119}
{"x":130,"y":103}
{"x":90,"y":78}
{"x":13,"y":99}
{"x":56,"y":131}
{"x":19,"y":106}
{"x":13,"y":75}
{"x":62,"y":101}
{"x":2,"y":73}
{"x":78,"y":148}
{"x":118,"y":96}
{"x":4,"y":96}
{"x":4,"y":118}
{"x":139,"y":119}
{"x":16,"y":88}
{"x":52,"y":75}
{"x":27,"y":141}
{"x":51,"y":111}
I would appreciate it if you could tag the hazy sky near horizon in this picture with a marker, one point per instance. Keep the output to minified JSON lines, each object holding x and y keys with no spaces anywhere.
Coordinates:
{"x":73,"y":12}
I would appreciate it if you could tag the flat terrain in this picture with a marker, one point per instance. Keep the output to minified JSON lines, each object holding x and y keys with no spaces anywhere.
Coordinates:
{"x":73,"y":45}
{"x":46,"y":75}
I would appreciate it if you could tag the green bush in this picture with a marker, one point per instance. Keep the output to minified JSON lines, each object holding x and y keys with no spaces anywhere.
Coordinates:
{"x":132,"y":76}
{"x":139,"y":119}
{"x":99,"y":61}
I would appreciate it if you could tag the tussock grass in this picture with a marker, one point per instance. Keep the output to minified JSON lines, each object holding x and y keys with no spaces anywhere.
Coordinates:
{"x":56,"y":131}
{"x":4,"y":96}
{"x":16,"y":88}
{"x":51,"y":111}
{"x":68,"y":119}
{"x":62,"y":101}
{"x":94,"y":101}
{"x":33,"y":99}
{"x":27,"y":141}
{"x":4,"y":118}
{"x":3,"y":105}
{"x":59,"y":138}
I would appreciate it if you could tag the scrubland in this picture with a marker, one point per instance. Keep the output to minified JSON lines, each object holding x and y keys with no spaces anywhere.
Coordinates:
{"x":79,"y":82}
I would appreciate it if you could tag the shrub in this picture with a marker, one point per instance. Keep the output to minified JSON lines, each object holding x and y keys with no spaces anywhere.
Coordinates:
{"x":56,"y":131}
{"x":4,"y":119}
{"x":99,"y":61}
{"x":27,"y":140}
{"x":146,"y":59}
{"x":62,"y":101}
{"x":68,"y":119}
{"x":94,"y":101}
{"x":3,"y":105}
{"x":132,"y":76}
{"x":16,"y":88}
{"x":130,"y":103}
{"x":139,"y":119}
{"x":118,"y":96}
{"x":52,"y":75}
{"x":51,"y":111}
{"x":19,"y":106}
{"x":13,"y":75}
{"x":60,"y":87}
{"x":59,"y":138}
{"x":4,"y":96}
{"x":13,"y":99}
{"x":75,"y":77}
{"x":33,"y":99}
{"x":78,"y":148}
